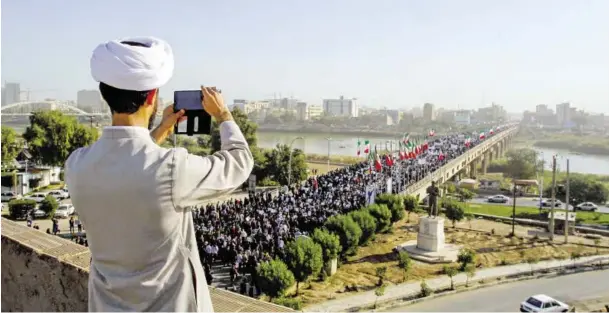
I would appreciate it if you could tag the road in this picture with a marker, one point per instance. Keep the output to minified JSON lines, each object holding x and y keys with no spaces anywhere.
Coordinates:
{"x":507,"y":297}
{"x":530,"y":202}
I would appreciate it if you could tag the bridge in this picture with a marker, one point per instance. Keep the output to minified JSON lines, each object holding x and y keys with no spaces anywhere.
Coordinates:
{"x":27,"y":107}
{"x":467,"y":164}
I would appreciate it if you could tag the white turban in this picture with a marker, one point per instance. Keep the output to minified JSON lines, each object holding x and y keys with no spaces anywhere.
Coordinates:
{"x":129,"y":67}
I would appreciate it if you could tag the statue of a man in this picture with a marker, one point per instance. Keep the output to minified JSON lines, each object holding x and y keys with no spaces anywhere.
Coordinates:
{"x":433,"y":192}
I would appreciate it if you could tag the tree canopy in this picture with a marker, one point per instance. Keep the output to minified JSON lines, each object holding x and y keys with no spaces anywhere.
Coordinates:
{"x":277,"y":161}
{"x":10,"y":145}
{"x":522,"y":163}
{"x":248,"y":128}
{"x":52,"y":136}
{"x":304,"y":258}
{"x":582,"y":189}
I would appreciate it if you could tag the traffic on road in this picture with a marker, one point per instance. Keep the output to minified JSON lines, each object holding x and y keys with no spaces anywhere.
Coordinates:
{"x":534,"y":203}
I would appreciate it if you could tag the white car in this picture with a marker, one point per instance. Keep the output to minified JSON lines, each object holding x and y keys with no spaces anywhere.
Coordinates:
{"x":543,"y":303}
{"x":58,"y":194}
{"x":39,"y":213}
{"x":64,"y":211}
{"x":586,"y":206}
{"x":548,"y":203}
{"x":37,"y":196}
{"x":498,"y":199}
{"x":9,"y":195}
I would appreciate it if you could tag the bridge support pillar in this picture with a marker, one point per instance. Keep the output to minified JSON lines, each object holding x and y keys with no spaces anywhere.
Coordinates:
{"x":472,"y":169}
{"x":485,"y":161}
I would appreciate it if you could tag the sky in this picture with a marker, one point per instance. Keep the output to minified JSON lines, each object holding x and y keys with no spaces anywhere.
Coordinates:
{"x":387,"y":53}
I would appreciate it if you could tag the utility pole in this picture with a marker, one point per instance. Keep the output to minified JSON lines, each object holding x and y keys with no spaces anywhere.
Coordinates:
{"x":567,"y":206}
{"x":553,"y":203}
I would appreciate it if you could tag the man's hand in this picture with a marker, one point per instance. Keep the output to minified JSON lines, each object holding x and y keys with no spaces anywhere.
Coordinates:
{"x":213,"y":104}
{"x":170,"y":119}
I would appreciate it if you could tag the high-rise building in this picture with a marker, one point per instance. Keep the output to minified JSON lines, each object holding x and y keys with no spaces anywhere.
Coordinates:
{"x":429,"y":113}
{"x":11,"y":94}
{"x":3,"y":98}
{"x":563,"y":114}
{"x":302,"y":111}
{"x":341,"y":107}
{"x":90,"y":101}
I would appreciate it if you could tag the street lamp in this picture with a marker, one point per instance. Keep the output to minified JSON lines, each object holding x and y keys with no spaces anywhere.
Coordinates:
{"x":290,"y":160}
{"x":329,"y":139}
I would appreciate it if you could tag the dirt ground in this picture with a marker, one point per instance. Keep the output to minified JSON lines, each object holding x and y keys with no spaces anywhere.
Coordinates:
{"x":491,"y":250}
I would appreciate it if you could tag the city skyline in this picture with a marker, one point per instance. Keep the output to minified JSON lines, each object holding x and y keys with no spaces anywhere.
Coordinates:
{"x":398,"y":55}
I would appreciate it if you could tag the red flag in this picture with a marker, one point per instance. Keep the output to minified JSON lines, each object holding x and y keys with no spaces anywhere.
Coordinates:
{"x":389,"y":161}
{"x":377,"y":163}
{"x":441,"y":156}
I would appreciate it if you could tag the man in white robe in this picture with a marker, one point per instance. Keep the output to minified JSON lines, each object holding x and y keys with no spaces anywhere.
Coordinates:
{"x":134,"y":196}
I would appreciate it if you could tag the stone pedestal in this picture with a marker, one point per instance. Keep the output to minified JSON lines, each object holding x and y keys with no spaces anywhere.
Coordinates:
{"x":429,"y":246}
{"x":331,"y":267}
{"x":431,"y":234}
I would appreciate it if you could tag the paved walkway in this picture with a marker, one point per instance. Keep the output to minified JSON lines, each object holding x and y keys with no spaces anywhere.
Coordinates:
{"x":362,"y":299}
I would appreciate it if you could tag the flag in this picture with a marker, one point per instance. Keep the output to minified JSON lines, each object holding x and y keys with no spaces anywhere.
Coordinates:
{"x":389,"y":160}
{"x":482,"y":136}
{"x":468,"y":142}
{"x":366,"y":146}
{"x":377,"y":162}
{"x":432,"y":133}
{"x":441,"y":156}
{"x":405,"y":138}
{"x":491,"y":131}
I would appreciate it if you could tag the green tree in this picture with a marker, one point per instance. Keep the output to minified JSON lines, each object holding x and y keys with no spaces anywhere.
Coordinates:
{"x":49,"y":205}
{"x":366,"y":222}
{"x":248,"y":128}
{"x":411,"y":205}
{"x":274,"y":278}
{"x":347,"y":230}
{"x":277,"y":164}
{"x":453,"y":211}
{"x":329,"y":242}
{"x":466,"y":257}
{"x":395,"y":204}
{"x":470,"y":272}
{"x":52,"y":136}
{"x":404,"y":262}
{"x":521,"y":163}
{"x":382,"y":215}
{"x":304,"y":258}
{"x":450,"y":271}
{"x":582,"y":189}
{"x":10,"y":145}
{"x":381,"y":273}
{"x":18,"y":208}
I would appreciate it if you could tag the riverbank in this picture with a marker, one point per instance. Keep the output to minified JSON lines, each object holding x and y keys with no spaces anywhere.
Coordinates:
{"x":578,"y":143}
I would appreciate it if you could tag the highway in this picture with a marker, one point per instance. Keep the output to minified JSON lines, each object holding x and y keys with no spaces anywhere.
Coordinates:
{"x":507,"y":297}
{"x":530,"y":202}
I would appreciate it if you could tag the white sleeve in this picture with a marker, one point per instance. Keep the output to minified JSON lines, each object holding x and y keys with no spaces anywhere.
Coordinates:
{"x":198,"y":178}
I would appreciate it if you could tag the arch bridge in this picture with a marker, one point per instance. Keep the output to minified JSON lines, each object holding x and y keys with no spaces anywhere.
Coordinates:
{"x":26,"y":108}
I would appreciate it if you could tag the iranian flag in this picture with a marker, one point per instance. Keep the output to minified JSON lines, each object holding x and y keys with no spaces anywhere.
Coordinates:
{"x":491,"y":131}
{"x":432,"y":133}
{"x":389,"y":160}
{"x":377,"y":162}
{"x":468,"y":142}
{"x":425,"y":145}
{"x":366,"y":147}
{"x":441,"y":156}
{"x":411,"y":154}
{"x":405,"y":138}
{"x":482,"y":136}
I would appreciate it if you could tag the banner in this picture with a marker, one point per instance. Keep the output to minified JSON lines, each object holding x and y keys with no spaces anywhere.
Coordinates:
{"x":389,"y":185}
{"x":370,"y":194}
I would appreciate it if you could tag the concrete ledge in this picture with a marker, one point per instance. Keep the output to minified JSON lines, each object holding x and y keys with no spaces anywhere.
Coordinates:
{"x":42,"y":273}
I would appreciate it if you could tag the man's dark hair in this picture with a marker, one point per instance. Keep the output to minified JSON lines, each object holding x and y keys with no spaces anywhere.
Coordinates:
{"x":121,"y":100}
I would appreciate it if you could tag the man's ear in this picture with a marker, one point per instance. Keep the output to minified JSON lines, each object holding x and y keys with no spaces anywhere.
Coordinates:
{"x":152,"y":95}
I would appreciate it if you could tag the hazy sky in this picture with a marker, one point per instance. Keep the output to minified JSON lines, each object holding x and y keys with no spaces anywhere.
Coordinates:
{"x":398,"y":54}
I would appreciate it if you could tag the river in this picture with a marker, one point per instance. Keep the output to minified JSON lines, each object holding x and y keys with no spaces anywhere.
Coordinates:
{"x":347,"y":145}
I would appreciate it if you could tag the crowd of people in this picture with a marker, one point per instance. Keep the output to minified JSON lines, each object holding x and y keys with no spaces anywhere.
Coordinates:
{"x":242,"y":233}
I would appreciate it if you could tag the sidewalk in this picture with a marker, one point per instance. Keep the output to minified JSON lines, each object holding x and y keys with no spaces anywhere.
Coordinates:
{"x":367,"y":298}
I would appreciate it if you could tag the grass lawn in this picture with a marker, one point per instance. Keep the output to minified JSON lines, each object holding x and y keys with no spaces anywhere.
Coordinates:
{"x":322,"y":168}
{"x":527,"y":212}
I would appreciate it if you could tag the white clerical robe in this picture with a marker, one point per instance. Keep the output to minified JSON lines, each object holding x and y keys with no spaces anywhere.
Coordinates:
{"x":133,"y":198}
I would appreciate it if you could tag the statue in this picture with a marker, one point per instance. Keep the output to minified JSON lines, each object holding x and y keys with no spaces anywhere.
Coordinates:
{"x":433,"y":193}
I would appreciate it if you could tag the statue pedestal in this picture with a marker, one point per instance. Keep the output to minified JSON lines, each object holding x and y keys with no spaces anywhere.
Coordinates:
{"x":430,"y":246}
{"x":431,"y":234}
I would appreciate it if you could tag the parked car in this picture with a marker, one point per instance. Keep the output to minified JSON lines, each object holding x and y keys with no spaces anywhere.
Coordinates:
{"x":67,"y":193}
{"x":586,"y":206}
{"x":498,"y":199}
{"x":548,"y":203}
{"x":58,"y":194}
{"x":64,"y":211}
{"x":37,"y":196}
{"x":9,"y":195}
{"x":543,"y":303}
{"x":39,"y":213}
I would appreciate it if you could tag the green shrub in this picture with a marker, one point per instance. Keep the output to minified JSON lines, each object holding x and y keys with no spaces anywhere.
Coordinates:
{"x":382,"y":215}
{"x":347,"y":230}
{"x":18,"y":208}
{"x":304,"y":258}
{"x":267,"y":182}
{"x":366,"y":222}
{"x":292,"y":303}
{"x":395,"y":203}
{"x":329,"y":242}
{"x":274,"y":278}
{"x":49,"y":205}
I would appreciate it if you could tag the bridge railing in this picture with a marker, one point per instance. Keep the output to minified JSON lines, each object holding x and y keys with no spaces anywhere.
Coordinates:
{"x":464,"y":157}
